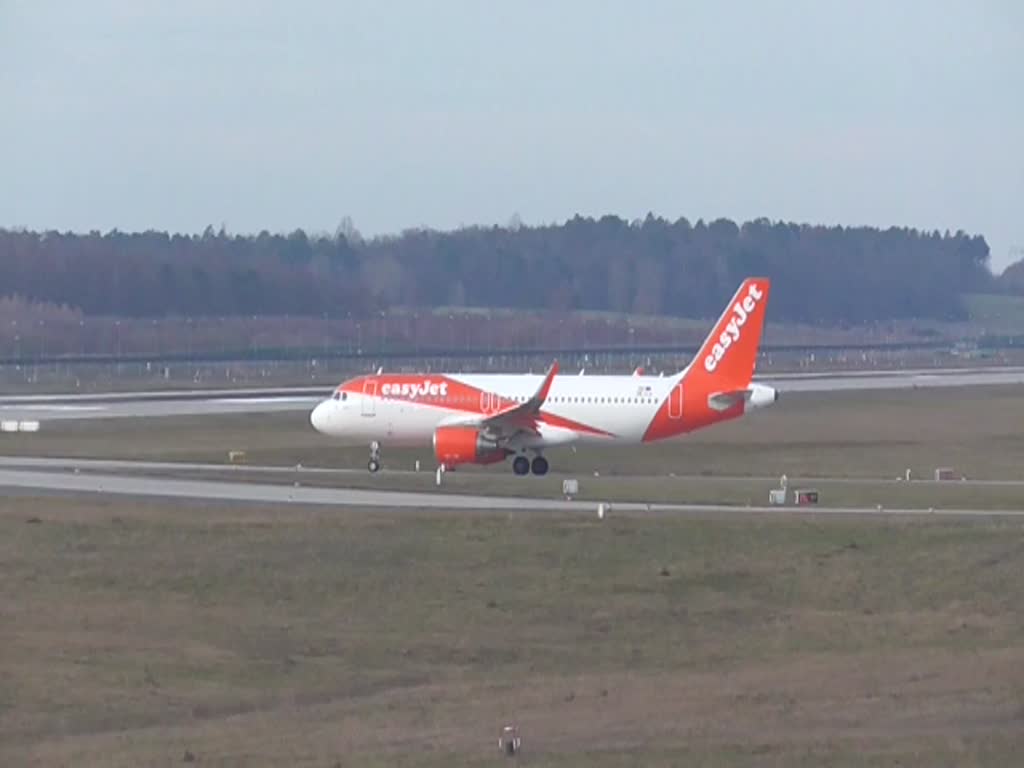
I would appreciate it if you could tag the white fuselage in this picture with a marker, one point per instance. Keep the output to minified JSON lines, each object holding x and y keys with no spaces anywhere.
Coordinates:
{"x":607,"y":407}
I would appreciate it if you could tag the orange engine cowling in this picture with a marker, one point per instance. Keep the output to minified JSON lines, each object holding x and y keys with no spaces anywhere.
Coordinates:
{"x":464,"y":445}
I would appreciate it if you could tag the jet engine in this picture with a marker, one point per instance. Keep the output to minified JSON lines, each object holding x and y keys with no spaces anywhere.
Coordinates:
{"x":465,"y":445}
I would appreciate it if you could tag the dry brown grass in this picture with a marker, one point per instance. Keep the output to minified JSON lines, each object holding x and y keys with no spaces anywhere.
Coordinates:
{"x":134,"y":632}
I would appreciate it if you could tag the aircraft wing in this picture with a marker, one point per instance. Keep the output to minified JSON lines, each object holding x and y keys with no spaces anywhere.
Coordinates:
{"x":521,"y":417}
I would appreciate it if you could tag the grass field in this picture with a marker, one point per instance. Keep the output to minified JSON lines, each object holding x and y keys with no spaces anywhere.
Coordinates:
{"x":137,"y":633}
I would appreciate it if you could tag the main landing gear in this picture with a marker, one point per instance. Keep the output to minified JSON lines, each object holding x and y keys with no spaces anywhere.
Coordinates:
{"x":374,"y":463}
{"x":521,"y":465}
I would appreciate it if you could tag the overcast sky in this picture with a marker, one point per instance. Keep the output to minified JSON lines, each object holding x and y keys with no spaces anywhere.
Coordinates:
{"x":257,"y":114}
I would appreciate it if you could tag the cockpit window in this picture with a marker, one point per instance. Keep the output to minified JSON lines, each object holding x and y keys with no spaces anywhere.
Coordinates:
{"x":337,"y":395}
{"x":344,"y":395}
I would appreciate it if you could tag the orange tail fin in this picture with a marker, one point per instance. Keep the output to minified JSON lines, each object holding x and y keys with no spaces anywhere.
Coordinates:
{"x":729,"y":354}
{"x":716,"y":385}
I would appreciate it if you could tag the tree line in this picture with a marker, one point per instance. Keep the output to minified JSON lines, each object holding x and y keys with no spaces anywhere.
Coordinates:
{"x":827,"y":275}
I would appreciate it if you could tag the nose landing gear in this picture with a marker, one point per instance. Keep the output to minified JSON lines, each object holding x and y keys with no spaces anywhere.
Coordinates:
{"x":374,"y":463}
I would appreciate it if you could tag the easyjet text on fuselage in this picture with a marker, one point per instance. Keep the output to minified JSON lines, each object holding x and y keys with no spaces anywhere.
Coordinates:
{"x":414,"y":390}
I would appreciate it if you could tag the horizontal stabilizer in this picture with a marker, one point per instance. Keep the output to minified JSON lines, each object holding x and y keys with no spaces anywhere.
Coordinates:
{"x":754,"y":396}
{"x":723,"y":401}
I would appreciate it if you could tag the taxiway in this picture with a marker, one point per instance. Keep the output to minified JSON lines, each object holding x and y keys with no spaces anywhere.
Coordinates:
{"x":59,"y":476}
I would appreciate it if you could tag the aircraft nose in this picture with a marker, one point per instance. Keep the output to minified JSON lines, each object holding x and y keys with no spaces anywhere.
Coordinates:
{"x":319,"y":416}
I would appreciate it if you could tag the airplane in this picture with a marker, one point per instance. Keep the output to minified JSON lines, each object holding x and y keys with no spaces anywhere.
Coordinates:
{"x":487,"y":418}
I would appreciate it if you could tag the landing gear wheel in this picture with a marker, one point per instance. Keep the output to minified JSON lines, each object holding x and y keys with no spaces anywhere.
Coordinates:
{"x":539,"y":466}
{"x":521,"y":465}
{"x":374,"y":463}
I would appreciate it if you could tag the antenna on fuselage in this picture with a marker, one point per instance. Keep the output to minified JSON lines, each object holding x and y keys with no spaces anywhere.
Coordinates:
{"x":380,"y":370}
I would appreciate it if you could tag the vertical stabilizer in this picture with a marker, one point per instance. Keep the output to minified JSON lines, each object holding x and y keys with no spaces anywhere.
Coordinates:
{"x":729,"y":354}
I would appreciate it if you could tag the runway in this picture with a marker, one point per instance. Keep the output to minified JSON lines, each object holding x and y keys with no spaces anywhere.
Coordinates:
{"x":923,"y":379}
{"x":207,"y":401}
{"x":144,"y":406}
{"x":56,"y":476}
